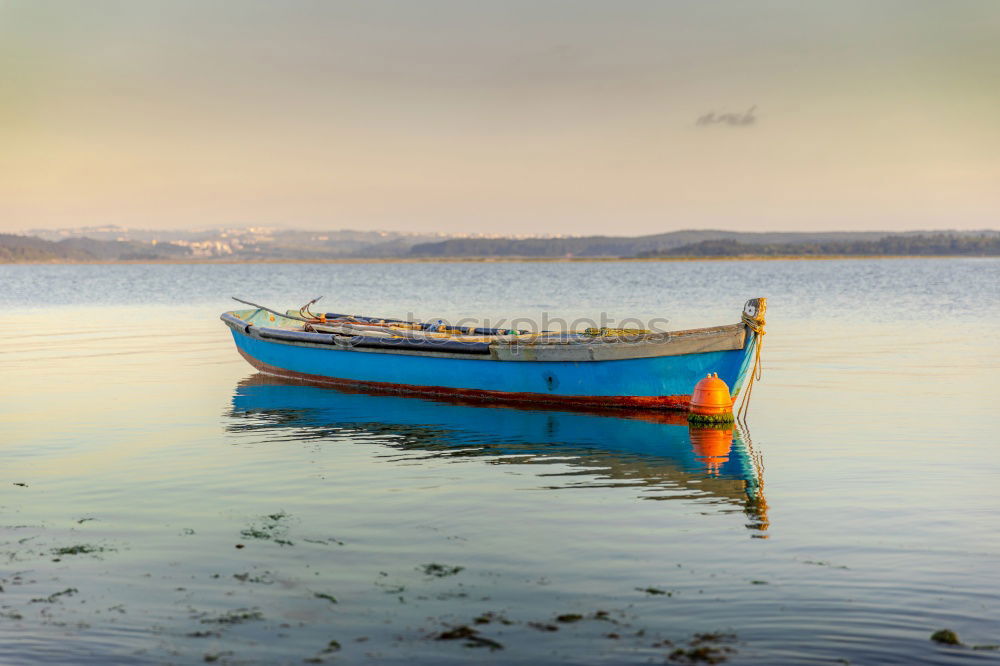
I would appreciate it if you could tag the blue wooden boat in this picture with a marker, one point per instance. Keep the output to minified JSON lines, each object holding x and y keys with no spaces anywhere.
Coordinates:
{"x":624,"y":368}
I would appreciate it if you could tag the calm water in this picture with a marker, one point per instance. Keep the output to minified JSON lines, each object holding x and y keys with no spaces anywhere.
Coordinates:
{"x":857,"y":516}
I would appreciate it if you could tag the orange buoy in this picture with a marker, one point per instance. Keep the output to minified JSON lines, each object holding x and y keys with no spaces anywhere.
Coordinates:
{"x":711,"y":401}
{"x":711,"y":446}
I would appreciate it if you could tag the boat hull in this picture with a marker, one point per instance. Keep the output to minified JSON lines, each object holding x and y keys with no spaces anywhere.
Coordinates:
{"x":663,"y":382}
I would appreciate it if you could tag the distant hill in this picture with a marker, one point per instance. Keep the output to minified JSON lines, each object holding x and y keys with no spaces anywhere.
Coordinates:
{"x":19,"y":249}
{"x":942,"y":244}
{"x":102,"y":250}
{"x":15,"y":249}
{"x":260,"y":244}
{"x":639,"y":246}
{"x":244,"y":243}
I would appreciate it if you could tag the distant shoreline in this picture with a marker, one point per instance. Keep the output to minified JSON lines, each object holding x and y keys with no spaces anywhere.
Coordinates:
{"x":487,"y":260}
{"x":247,"y":246}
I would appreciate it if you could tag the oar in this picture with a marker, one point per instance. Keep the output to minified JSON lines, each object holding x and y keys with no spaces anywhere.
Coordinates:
{"x":280,"y":314}
{"x":305,"y":312}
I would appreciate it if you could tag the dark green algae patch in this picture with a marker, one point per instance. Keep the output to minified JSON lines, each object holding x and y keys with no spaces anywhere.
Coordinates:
{"x":710,"y":648}
{"x":949,"y":637}
{"x":52,"y":598}
{"x":81,"y":549}
{"x":470,"y":637}
{"x":436,"y":570}
{"x":272,"y":527}
{"x":945,"y":637}
{"x":238,"y":616}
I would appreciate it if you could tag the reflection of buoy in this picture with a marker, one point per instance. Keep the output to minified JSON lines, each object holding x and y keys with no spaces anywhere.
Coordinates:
{"x":711,"y":446}
{"x":711,"y":401}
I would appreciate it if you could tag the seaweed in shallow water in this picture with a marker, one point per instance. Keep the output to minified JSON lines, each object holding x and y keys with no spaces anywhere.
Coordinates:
{"x":237,"y":616}
{"x":439,"y":570}
{"x":569,"y":617}
{"x":272,"y":527}
{"x":945,"y":637}
{"x":51,"y":599}
{"x":470,"y":636}
{"x":81,"y":549}
{"x":703,"y":649}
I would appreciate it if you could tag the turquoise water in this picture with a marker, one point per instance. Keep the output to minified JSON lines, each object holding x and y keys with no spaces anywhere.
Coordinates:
{"x":854,"y":517}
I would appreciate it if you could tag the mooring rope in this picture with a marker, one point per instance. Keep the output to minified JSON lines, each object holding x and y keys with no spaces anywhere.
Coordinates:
{"x":757,"y":326}
{"x":756,"y":505}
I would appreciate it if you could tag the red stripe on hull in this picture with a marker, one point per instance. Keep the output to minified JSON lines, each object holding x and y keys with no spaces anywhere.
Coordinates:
{"x":660,"y":402}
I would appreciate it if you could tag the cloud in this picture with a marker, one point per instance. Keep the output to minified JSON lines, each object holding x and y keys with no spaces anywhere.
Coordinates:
{"x":745,"y":119}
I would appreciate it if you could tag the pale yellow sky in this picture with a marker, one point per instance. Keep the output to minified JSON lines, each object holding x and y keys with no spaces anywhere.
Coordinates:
{"x":549,"y":117}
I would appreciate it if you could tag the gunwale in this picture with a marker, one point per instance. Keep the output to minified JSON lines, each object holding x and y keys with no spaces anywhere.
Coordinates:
{"x":672,"y":343}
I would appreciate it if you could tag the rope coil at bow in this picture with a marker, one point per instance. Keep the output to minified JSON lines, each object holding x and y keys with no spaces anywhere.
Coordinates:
{"x":756,"y":324}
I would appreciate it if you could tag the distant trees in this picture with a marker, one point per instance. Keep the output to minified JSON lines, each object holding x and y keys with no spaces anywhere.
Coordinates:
{"x":20,"y":249}
{"x":747,"y":244}
{"x":894,"y":245}
{"x":16,"y":249}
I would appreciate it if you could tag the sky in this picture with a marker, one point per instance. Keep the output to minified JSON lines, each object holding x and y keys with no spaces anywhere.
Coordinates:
{"x":538,"y":116}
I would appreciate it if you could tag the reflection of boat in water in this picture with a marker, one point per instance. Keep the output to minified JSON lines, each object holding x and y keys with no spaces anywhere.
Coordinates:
{"x":655,"y":452}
